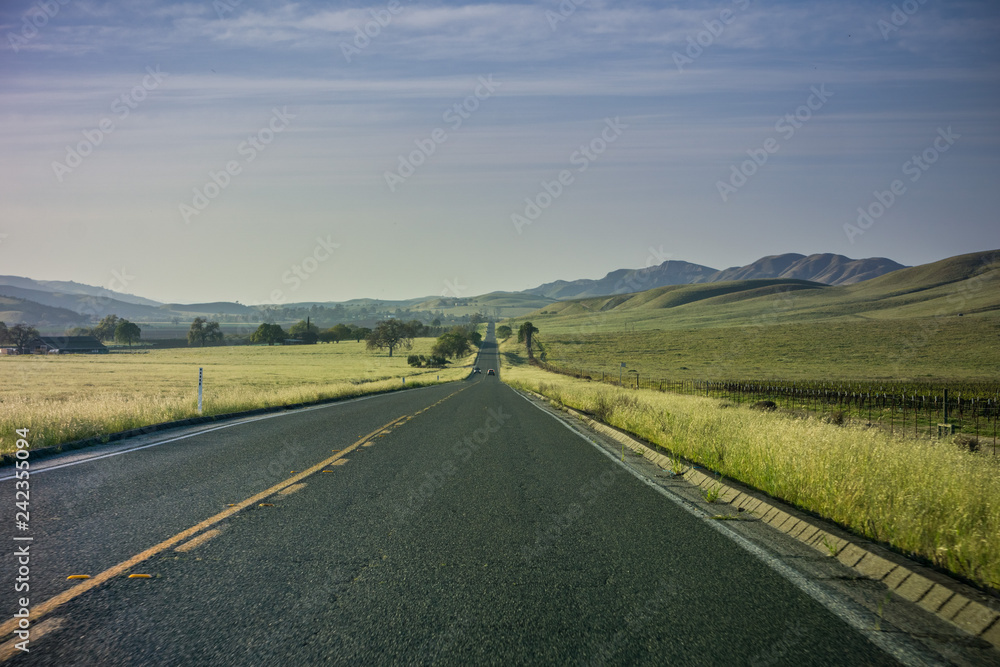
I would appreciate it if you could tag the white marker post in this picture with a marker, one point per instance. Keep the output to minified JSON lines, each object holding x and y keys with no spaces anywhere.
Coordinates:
{"x":200,"y":375}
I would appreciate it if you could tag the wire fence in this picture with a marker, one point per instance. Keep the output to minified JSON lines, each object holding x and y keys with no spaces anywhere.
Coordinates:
{"x":969,"y":412}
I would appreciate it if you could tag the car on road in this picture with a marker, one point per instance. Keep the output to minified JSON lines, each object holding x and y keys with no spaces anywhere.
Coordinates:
{"x":490,"y":372}
{"x":477,"y":370}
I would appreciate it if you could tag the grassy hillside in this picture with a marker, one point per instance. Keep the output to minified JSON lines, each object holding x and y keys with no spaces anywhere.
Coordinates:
{"x":934,"y":322}
{"x":506,"y":304}
{"x":14,"y":311}
{"x":948,"y":349}
{"x":967,"y":284}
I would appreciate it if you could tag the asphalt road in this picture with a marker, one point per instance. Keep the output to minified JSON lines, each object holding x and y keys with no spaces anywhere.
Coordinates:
{"x":477,"y":529}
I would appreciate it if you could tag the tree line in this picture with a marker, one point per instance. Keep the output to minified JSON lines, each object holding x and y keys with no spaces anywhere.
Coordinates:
{"x":390,"y":334}
{"x":17,"y":336}
{"x":111,"y":327}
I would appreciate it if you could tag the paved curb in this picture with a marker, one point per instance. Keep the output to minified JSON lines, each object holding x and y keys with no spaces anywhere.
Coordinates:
{"x":949,"y":600}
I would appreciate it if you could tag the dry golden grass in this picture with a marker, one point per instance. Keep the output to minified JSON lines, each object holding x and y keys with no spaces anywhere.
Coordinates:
{"x":924,"y":497}
{"x":65,"y":398}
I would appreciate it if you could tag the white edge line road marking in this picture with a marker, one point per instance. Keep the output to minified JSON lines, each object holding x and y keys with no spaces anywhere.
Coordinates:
{"x":36,"y":471}
{"x":860,"y":619}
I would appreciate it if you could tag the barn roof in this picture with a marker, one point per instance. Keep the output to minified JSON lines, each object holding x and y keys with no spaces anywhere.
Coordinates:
{"x":69,"y":342}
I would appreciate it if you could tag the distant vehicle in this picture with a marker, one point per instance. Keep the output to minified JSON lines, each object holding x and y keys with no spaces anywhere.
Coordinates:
{"x":490,"y":372}
{"x":477,"y":370}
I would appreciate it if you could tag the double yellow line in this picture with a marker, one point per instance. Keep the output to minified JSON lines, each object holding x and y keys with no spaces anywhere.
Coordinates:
{"x":43,"y":609}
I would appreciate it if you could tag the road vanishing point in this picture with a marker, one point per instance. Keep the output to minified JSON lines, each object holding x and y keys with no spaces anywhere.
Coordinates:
{"x":458,"y":524}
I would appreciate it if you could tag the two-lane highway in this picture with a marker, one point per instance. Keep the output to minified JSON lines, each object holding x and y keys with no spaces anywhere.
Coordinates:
{"x":463,"y":526}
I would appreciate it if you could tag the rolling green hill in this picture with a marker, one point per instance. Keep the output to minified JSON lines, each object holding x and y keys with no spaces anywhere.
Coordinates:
{"x":967,"y":284}
{"x":935,"y":321}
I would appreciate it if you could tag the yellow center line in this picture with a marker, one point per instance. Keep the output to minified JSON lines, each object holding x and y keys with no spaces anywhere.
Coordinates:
{"x":45,"y":608}
{"x":41,"y":610}
{"x":201,"y":539}
{"x":9,"y":650}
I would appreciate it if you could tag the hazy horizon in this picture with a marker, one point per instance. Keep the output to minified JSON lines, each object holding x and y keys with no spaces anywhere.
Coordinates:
{"x":119,"y":278}
{"x":199,"y":152}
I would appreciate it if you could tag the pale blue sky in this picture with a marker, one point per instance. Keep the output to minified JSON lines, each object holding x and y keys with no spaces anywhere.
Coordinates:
{"x":188,"y":88}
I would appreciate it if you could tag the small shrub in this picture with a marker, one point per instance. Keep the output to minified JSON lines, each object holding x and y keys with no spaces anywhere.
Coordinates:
{"x":602,"y":408}
{"x":711,"y":494}
{"x":836,"y":418}
{"x":966,"y":442}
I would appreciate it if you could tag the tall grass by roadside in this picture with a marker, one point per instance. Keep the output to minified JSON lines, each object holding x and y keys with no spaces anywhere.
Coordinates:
{"x":923,"y":497}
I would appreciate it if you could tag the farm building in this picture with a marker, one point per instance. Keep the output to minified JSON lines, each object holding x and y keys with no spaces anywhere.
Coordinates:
{"x":67,"y":345}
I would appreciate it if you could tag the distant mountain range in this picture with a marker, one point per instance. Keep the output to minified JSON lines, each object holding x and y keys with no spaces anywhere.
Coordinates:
{"x":69,"y":288}
{"x":827,"y":268}
{"x":66,"y":303}
{"x":960,"y":286}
